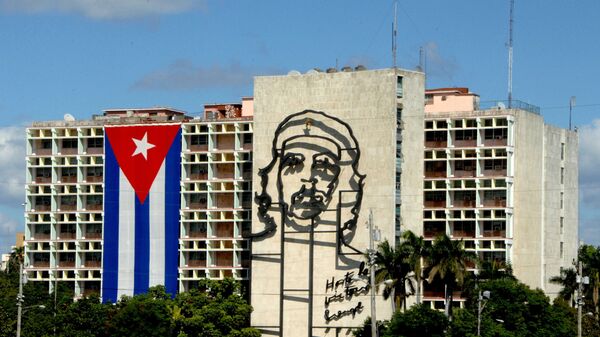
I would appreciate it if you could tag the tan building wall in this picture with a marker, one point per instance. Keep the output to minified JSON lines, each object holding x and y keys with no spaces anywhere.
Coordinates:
{"x":367,"y":102}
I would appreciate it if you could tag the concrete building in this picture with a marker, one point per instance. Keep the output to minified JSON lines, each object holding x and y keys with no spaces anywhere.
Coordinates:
{"x":328,"y":149}
{"x":503,"y":181}
{"x":65,"y":196}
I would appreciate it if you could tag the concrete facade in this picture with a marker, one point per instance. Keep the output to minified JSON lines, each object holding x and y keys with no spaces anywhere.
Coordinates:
{"x":297,"y":290}
{"x":505,"y":183}
{"x":64,"y":217}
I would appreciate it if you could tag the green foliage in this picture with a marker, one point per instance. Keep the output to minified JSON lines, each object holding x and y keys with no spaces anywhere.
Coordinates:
{"x":214,"y":309}
{"x":418,"y":321}
{"x":365,"y":329}
{"x":514,"y":310}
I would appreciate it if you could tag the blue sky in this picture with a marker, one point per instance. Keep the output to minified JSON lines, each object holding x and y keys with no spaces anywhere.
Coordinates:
{"x":81,"y":56}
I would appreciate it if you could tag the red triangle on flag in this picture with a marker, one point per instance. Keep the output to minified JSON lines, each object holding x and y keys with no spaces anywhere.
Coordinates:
{"x":140,"y":151}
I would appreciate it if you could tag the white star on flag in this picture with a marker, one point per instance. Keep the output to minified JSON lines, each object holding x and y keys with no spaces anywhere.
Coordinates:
{"x":142,"y":146}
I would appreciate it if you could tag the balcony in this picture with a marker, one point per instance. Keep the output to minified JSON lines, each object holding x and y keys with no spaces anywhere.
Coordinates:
{"x":464,"y":173}
{"x":197,"y":263}
{"x":203,"y":147}
{"x":66,"y":235}
{"x":66,"y":264}
{"x":67,"y":207}
{"x":500,"y":172}
{"x":465,"y":143}
{"x":41,"y":236}
{"x":197,"y":234}
{"x":434,"y":203}
{"x":247,"y":147}
{"x":93,"y":235}
{"x":42,"y":152}
{"x":93,"y":207}
{"x":224,"y":230}
{"x":223,"y":259}
{"x":43,"y":180}
{"x":435,"y":174}
{"x":464,"y":203}
{"x":495,"y":142}
{"x":494,"y":233}
{"x":199,"y":176}
{"x":494,"y":203}
{"x":432,"y":234}
{"x":92,"y":264}
{"x":436,"y":143}
{"x":224,"y":175}
{"x":439,"y":294}
{"x":40,"y":264}
{"x":93,"y":179}
{"x":67,"y":150}
{"x":463,"y":233}
{"x":42,"y":208}
{"x":68,"y":179}
{"x":94,"y":150}
{"x":197,"y":205}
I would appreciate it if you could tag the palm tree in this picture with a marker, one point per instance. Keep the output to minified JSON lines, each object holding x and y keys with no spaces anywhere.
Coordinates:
{"x":495,"y":270}
{"x":392,"y":269}
{"x":568,"y":280}
{"x":416,"y":252}
{"x":448,"y":261}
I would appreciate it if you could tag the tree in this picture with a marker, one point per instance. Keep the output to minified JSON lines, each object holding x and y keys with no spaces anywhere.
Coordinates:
{"x":392,"y":265}
{"x":418,"y":321}
{"x":590,"y":257}
{"x":417,"y":250}
{"x":448,"y":261}
{"x":568,"y":281}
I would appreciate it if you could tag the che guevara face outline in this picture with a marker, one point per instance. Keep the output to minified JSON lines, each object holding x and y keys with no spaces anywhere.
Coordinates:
{"x":311,"y":174}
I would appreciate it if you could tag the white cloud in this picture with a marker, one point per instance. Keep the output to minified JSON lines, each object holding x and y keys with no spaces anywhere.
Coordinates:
{"x":438,"y":65}
{"x":184,"y":75}
{"x":101,"y":9}
{"x":12,"y":165}
{"x":589,"y":163}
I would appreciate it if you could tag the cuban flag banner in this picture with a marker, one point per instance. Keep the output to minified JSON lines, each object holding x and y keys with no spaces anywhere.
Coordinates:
{"x":141,"y":209}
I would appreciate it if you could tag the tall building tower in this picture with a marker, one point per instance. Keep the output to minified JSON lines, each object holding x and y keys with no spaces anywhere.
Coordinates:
{"x":66,"y":196}
{"x":330,"y":148}
{"x":502,"y":181}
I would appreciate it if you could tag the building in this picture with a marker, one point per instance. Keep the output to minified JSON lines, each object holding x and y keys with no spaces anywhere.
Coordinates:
{"x":285,"y":182}
{"x":5,"y":258}
{"x":328,"y":150}
{"x":503,"y":181}
{"x":65,"y":195}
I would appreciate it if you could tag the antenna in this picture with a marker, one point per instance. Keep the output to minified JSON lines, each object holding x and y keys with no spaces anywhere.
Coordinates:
{"x":510,"y":51}
{"x":394,"y":33}
{"x":571,"y":106}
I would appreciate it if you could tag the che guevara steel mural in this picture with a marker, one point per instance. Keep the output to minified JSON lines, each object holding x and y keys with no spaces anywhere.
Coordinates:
{"x":314,"y":168}
{"x":312,"y":150}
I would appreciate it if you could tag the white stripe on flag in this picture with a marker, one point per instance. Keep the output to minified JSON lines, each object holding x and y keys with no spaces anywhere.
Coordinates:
{"x":157,"y":228}
{"x":126,"y":237}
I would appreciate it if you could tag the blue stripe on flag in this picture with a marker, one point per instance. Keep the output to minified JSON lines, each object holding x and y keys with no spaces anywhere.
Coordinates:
{"x":172,"y":204}
{"x":142,"y":246}
{"x":110,"y":256}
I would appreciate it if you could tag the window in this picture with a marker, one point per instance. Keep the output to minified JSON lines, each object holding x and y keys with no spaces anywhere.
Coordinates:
{"x":562,"y":224}
{"x":94,"y":172}
{"x":428,"y":99}
{"x":46,"y":144}
{"x":496,"y":133}
{"x":562,"y":151}
{"x":69,"y":172}
{"x":562,"y":201}
{"x":399,"y":87}
{"x":466,"y":134}
{"x":70,"y":143}
{"x":501,"y":122}
{"x":561,"y":249}
{"x":94,"y":142}
{"x":247,"y":138}
{"x":199,"y":140}
{"x":458,"y":123}
{"x":562,"y":175}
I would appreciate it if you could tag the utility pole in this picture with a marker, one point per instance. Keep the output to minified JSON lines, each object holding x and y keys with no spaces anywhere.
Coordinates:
{"x":579,"y":297}
{"x":372,"y":275}
{"x":20,"y":299}
{"x":480,"y":308}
